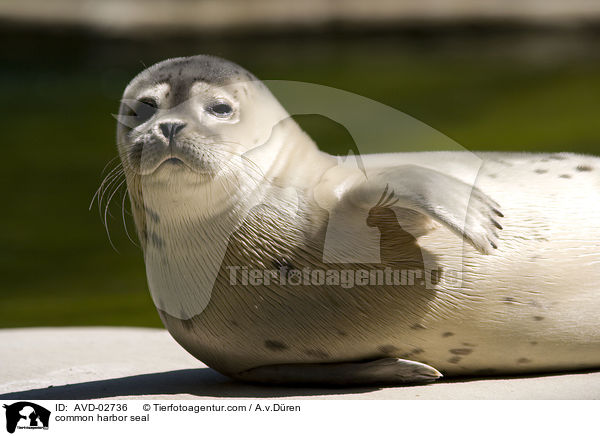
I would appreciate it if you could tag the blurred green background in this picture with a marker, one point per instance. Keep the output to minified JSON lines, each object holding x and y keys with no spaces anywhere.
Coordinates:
{"x":488,"y":89}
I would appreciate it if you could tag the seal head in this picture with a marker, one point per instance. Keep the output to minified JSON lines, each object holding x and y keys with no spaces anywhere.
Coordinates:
{"x":191,"y":115}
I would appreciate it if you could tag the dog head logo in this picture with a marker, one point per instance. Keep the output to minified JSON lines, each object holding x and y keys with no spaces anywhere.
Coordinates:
{"x":26,"y":415}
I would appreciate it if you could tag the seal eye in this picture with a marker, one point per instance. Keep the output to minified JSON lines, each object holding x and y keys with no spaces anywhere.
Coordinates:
{"x":220,"y":109}
{"x":144,"y":110}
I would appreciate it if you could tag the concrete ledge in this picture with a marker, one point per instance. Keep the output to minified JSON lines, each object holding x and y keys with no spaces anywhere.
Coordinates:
{"x":123,"y":362}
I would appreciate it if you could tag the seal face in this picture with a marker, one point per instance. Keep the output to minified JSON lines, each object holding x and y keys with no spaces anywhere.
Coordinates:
{"x":197,"y":101}
{"x":237,"y":211}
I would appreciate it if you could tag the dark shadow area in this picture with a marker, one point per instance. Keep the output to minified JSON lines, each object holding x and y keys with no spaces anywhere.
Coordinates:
{"x":200,"y":382}
{"x":205,"y":382}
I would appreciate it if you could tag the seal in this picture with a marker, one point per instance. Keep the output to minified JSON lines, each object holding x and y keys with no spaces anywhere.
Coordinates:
{"x":235,"y":207}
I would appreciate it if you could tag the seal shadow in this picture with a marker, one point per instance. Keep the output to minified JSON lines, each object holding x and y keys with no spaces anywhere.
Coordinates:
{"x":201,"y":382}
{"x":205,"y":382}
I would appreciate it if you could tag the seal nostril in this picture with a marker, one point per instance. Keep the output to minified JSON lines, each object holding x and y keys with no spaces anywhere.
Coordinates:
{"x":170,"y":129}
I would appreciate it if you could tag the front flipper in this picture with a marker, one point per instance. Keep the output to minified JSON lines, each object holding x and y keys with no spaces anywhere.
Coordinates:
{"x":462,"y":208}
{"x":389,"y":370}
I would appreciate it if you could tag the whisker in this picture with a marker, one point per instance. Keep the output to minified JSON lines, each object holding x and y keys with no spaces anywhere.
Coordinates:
{"x":104,"y":181}
{"x":126,"y":172}
{"x":109,"y":187}
{"x":106,"y":212}
{"x":124,"y":219}
{"x":114,"y":179}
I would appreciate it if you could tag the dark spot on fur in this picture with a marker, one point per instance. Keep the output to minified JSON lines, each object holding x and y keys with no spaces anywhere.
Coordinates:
{"x":235,"y":323}
{"x":342,"y":333}
{"x":461,"y":351}
{"x":447,"y":334}
{"x":492,"y":176}
{"x":584,"y":168}
{"x":533,"y":343}
{"x":157,"y":241}
{"x":454,"y":359}
{"x":557,"y":157}
{"x":565,"y":176}
{"x":417,"y":327}
{"x":540,"y":171}
{"x":275,"y":345}
{"x":153,"y":215}
{"x":509,"y":300}
{"x":523,"y":360}
{"x":503,"y":162}
{"x":538,"y":318}
{"x":320,"y":354}
{"x":388,"y":349}
{"x":416,"y":351}
{"x":468,"y":344}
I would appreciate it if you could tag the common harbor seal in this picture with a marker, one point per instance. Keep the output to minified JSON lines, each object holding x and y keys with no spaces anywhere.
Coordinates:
{"x":233,"y":204}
